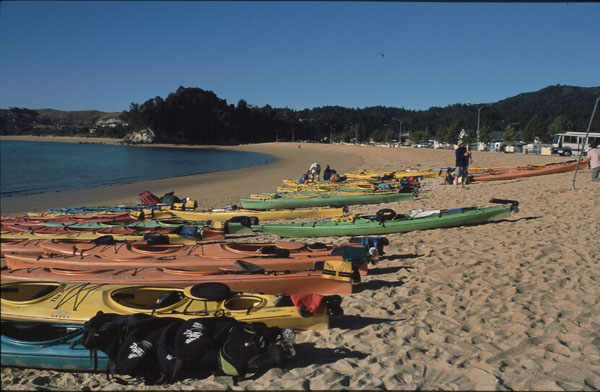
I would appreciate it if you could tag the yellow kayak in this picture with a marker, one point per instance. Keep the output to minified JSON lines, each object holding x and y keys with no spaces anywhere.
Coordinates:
{"x":418,"y":173}
{"x":77,"y":303}
{"x":325,"y":186}
{"x":395,"y":174}
{"x":261,"y":215}
{"x":305,"y":194}
{"x":369,"y":174}
{"x":290,"y":184}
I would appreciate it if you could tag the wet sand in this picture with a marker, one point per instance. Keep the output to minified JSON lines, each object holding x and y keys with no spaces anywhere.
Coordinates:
{"x":509,"y":304}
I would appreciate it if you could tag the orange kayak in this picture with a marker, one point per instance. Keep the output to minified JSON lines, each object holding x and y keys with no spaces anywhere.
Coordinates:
{"x":22,"y":246}
{"x":302,"y":282}
{"x":510,"y":174}
{"x":125,"y":251}
{"x":196,"y":263}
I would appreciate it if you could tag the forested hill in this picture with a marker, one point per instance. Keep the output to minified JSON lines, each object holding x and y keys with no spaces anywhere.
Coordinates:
{"x":196,"y":116}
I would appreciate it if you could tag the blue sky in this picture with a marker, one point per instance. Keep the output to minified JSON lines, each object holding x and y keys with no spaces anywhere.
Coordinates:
{"x":105,"y":55}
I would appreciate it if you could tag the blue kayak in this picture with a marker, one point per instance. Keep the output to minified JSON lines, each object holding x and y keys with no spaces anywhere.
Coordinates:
{"x":47,"y":346}
{"x":55,"y":346}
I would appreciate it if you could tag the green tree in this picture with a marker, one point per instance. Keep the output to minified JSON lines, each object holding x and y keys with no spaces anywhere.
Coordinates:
{"x":533,"y":129}
{"x":560,"y":125}
{"x":378,"y":135}
{"x":417,"y":135}
{"x":510,"y":134}
{"x":485,"y":134}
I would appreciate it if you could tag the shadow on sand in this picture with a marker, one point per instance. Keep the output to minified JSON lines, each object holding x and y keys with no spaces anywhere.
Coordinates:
{"x":307,"y":354}
{"x":401,"y":257}
{"x":354,"y":322}
{"x":377,"y":285}
{"x":388,"y":270}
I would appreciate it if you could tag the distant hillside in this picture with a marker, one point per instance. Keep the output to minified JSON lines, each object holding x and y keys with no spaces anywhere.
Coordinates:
{"x":196,"y":116}
{"x":77,"y":118}
{"x":575,"y":103}
{"x":59,"y":122}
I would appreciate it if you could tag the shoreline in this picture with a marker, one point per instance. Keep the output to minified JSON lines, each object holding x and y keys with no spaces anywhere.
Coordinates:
{"x":222,"y":188}
{"x":210,"y":190}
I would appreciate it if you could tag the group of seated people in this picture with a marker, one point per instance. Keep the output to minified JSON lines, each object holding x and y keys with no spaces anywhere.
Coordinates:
{"x":314,"y":172}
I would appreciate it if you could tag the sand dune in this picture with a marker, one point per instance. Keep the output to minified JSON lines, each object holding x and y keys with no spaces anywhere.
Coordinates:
{"x":509,"y":304}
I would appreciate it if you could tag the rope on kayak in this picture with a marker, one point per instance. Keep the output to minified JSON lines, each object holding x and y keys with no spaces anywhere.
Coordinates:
{"x":344,"y":218}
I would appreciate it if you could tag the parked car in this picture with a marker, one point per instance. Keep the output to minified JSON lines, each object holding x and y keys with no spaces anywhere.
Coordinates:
{"x":422,"y":144}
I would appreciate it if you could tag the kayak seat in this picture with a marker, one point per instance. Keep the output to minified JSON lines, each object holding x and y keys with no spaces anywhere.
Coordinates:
{"x":169,"y":298}
{"x":317,"y":245}
{"x":274,"y":250}
{"x":213,"y":291}
{"x":385,"y":214}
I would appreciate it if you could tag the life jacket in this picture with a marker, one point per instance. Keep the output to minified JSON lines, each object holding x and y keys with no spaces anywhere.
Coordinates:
{"x":185,"y":205}
{"x":244,"y":342}
{"x":170,"y":198}
{"x":162,"y":349}
{"x":181,"y":344}
{"x":307,"y":304}
{"x":147,"y":198}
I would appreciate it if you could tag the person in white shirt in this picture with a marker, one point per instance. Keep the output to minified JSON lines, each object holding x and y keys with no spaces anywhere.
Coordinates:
{"x":594,"y":155}
{"x":315,"y":170}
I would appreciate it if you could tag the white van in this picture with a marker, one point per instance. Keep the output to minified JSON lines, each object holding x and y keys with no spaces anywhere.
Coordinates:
{"x":568,"y":143}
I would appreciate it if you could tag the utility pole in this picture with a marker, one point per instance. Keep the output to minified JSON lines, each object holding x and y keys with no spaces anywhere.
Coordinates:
{"x":399,"y":128}
{"x":478,"y":117}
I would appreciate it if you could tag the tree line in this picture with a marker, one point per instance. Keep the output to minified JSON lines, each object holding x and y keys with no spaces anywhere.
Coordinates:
{"x":197,"y":116}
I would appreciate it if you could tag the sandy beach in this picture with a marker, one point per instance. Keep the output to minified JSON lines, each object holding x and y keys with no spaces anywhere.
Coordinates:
{"x":512,"y":304}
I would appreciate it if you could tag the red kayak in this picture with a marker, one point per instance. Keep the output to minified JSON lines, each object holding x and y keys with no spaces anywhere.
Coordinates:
{"x":510,"y":174}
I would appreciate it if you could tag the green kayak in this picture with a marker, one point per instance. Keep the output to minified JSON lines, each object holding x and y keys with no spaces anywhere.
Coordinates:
{"x":386,"y":221}
{"x":323,"y":201}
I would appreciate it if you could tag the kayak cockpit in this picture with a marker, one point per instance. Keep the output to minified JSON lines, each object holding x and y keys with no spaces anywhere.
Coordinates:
{"x":28,"y":292}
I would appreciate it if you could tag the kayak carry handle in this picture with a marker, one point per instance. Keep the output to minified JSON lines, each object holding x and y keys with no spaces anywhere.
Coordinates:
{"x":514,"y":204}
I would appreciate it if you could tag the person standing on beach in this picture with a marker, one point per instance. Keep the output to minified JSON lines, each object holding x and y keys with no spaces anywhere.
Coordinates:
{"x":462,"y":164}
{"x":594,"y":155}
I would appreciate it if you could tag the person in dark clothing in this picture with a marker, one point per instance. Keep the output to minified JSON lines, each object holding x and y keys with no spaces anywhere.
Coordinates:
{"x":334,"y":177}
{"x":448,"y":178}
{"x":326,"y":173}
{"x":305,"y":177}
{"x":462,"y":163}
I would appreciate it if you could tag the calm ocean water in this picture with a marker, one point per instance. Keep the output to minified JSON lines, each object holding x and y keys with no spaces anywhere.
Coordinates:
{"x":37,"y":167}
